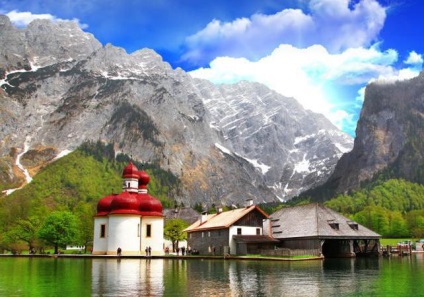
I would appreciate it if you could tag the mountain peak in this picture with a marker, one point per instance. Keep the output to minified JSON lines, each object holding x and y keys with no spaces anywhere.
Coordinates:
{"x":61,"y":87}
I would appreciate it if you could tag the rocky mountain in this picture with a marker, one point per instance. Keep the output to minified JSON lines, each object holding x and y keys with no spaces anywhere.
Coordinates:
{"x":60,"y":87}
{"x":389,"y":138}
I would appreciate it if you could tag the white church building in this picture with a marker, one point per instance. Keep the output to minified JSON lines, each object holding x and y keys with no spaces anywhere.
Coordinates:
{"x":131,"y":220}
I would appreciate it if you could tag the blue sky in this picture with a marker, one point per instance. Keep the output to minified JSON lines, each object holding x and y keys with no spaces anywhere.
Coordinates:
{"x":321,"y":52}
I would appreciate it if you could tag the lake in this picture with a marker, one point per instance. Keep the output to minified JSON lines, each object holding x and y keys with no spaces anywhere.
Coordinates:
{"x":395,"y":276}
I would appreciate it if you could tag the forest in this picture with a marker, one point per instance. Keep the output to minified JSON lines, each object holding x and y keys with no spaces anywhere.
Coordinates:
{"x":70,"y":188}
{"x":394,"y":208}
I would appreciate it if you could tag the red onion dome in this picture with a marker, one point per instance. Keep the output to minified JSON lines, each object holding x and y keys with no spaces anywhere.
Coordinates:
{"x":130,"y":171}
{"x":150,"y":206}
{"x":143,"y":178}
{"x":103,"y":206}
{"x":125,"y":203}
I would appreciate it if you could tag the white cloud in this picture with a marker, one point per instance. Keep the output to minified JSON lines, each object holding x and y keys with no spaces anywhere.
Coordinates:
{"x":330,"y":23}
{"x":396,"y":75}
{"x":22,"y":19}
{"x":414,"y":59}
{"x":361,"y":95}
{"x":303,"y":73}
{"x":310,"y":74}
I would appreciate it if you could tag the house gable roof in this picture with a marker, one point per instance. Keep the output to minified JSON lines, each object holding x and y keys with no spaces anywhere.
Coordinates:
{"x":224,"y":219}
{"x":317,"y":221}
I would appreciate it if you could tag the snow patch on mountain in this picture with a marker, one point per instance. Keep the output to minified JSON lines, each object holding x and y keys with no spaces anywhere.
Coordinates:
{"x":262,"y":167}
{"x":223,"y":149}
{"x":302,"y":166}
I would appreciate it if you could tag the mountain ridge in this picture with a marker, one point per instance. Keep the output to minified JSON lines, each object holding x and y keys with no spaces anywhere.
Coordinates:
{"x":53,"y":99}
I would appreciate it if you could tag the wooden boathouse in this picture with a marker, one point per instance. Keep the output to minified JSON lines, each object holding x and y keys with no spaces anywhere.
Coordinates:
{"x":319,"y":230}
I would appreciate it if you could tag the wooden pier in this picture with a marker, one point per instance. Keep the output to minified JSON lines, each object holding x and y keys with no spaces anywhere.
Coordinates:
{"x":399,"y":250}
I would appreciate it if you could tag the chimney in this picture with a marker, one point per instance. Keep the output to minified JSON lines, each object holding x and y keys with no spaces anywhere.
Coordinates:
{"x":249,"y":202}
{"x":219,"y":209}
{"x":203,"y":217}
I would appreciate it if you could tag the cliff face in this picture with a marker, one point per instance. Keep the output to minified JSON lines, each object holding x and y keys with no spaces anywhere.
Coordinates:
{"x":61,"y":87}
{"x":389,"y":137}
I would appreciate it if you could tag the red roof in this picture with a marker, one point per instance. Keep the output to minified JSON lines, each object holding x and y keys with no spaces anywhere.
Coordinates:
{"x":103,"y":206}
{"x":143,"y":178}
{"x":130,"y":171}
{"x":128,"y":202}
{"x":125,"y":203}
{"x":149,"y":206}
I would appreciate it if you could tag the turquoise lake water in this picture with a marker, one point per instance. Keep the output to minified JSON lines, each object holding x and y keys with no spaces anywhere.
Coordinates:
{"x":395,"y":276}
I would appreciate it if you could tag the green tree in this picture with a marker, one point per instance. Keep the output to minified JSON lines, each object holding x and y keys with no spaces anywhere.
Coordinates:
{"x":397,"y":225}
{"x":415,"y":222}
{"x":25,"y":231}
{"x":85,"y":213}
{"x":173,"y":231}
{"x":59,"y":228}
{"x":375,"y":218}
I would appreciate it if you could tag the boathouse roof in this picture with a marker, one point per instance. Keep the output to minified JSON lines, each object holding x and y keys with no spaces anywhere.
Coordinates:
{"x":316,"y":221}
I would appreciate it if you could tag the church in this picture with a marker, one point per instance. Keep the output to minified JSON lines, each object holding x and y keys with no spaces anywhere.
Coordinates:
{"x":131,"y":221}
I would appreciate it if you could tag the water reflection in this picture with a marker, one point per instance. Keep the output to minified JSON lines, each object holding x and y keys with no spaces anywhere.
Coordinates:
{"x":395,"y":276}
{"x":127,"y":277}
{"x":352,"y":276}
{"x":195,"y":277}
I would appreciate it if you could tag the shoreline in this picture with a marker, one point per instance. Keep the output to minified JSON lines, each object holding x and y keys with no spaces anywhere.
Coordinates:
{"x":89,"y":256}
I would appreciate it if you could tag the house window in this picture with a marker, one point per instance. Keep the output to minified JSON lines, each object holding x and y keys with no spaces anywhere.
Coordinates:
{"x":148,"y":230}
{"x":238,"y":231}
{"x":353,"y":225}
{"x":203,"y":234}
{"x":335,"y":226}
{"x":258,"y":231}
{"x":102,"y":231}
{"x":209,"y":233}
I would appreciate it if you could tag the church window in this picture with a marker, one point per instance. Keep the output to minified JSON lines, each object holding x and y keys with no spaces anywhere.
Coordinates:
{"x":102,"y":231}
{"x":148,"y":230}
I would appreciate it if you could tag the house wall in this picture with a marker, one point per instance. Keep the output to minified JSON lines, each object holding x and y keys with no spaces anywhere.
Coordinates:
{"x":245,"y":230}
{"x":204,"y":241}
{"x":284,"y":252}
{"x":301,"y":243}
{"x":327,"y":247}
{"x":266,"y":227}
{"x":253,"y":248}
{"x":100,"y":243}
{"x":155,"y":241}
{"x":124,"y":233}
{"x":253,"y":219}
{"x":297,"y":247}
